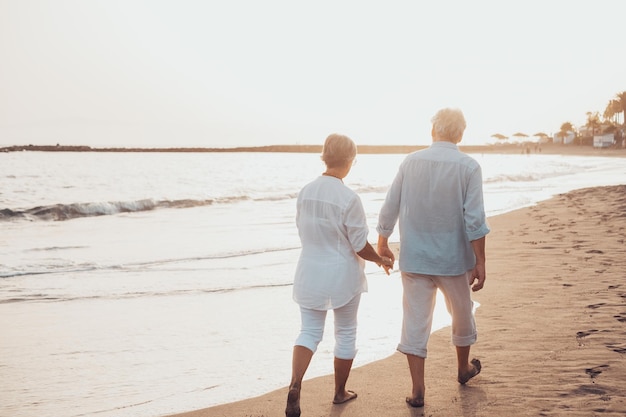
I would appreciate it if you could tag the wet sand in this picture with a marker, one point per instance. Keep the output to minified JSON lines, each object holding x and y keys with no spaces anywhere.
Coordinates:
{"x":552,"y":328}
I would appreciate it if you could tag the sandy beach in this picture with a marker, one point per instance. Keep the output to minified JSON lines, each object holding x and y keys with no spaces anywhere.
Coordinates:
{"x":502,"y":148}
{"x":552,"y":327}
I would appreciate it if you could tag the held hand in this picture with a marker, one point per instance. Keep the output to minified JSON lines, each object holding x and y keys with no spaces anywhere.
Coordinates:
{"x":386,"y":254}
{"x":386,"y":264}
{"x":385,"y":251}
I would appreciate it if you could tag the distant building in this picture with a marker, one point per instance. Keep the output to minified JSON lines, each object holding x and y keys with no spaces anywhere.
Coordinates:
{"x":603,"y":141}
{"x":545,"y":140}
{"x":568,"y":139}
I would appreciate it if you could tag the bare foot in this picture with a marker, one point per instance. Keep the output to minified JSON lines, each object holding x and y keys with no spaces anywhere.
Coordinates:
{"x":347,"y":396}
{"x":293,"y":403}
{"x":476,"y":367}
{"x":415,"y":402}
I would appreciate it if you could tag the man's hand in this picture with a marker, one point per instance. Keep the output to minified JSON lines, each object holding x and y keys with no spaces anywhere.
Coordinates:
{"x":382,"y":247}
{"x":477,"y":277}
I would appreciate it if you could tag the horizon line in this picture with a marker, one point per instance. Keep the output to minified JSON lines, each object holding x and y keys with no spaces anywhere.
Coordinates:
{"x":264,"y":148}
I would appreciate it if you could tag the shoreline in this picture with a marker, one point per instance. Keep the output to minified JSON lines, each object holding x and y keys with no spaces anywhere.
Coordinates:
{"x":561,"y":263}
{"x":549,"y":149}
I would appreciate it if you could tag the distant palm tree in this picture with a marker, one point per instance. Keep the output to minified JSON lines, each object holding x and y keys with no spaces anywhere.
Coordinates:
{"x":617,"y":109}
{"x":621,"y":100}
{"x":565,"y":128}
{"x":610,"y":112}
{"x":593,"y":122}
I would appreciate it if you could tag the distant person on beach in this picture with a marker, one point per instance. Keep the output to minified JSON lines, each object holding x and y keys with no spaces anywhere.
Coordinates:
{"x":330,"y":272}
{"x":437,"y":197}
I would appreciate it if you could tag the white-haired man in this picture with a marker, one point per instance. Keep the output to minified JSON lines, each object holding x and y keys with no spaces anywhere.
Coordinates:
{"x":437,"y":197}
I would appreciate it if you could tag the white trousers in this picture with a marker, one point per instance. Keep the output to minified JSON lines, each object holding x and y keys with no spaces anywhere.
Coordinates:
{"x":418,"y":300}
{"x":312,"y":329}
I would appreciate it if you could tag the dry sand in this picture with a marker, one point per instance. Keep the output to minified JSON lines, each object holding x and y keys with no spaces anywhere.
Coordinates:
{"x":552,"y":327}
{"x":503,"y":148}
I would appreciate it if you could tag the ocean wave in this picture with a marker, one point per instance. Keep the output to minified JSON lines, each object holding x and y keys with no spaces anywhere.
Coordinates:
{"x":70,"y":268}
{"x":56,"y":298}
{"x":75,"y":210}
{"x":47,"y":270}
{"x":365,"y":189}
{"x":60,"y":212}
{"x":529,"y":177}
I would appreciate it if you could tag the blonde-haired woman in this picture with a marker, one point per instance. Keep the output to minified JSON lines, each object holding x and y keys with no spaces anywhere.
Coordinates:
{"x":330,"y":272}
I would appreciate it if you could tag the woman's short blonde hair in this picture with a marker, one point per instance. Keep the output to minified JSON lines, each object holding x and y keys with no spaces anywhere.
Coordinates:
{"x":338,"y":150}
{"x":449,"y":124}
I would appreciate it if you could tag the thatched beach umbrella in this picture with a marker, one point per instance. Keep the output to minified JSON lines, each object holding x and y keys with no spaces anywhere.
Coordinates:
{"x":499,"y":136}
{"x":520,"y":135}
{"x":541,"y":136}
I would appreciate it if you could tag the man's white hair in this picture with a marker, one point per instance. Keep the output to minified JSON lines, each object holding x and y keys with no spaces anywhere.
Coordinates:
{"x":449,"y":124}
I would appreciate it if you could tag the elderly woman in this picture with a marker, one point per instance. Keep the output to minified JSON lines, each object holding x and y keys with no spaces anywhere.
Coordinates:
{"x":330,"y":272}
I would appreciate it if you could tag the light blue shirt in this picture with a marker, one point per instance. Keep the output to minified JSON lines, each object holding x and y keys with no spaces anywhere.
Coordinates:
{"x":437,"y":197}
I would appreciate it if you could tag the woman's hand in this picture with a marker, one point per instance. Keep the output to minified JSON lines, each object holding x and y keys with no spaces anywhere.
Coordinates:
{"x":369,"y":254}
{"x":386,"y":263}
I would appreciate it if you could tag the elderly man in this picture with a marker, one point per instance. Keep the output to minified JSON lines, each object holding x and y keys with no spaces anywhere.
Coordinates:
{"x":438,"y":199}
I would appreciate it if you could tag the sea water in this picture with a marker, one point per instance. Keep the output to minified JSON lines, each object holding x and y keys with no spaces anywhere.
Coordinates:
{"x":145,"y":284}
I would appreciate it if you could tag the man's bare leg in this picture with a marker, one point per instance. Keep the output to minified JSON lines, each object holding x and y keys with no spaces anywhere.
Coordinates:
{"x":416,"y":367}
{"x":466,"y":369}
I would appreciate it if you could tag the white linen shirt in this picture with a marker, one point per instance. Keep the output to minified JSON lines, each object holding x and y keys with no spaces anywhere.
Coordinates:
{"x":333,"y":228}
{"x":437,"y":196}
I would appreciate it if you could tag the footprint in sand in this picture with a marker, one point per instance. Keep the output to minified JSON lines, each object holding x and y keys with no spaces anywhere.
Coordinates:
{"x":616,"y":348}
{"x":595,"y":371}
{"x":621,"y":317}
{"x":580,"y":335}
{"x":594,"y":251}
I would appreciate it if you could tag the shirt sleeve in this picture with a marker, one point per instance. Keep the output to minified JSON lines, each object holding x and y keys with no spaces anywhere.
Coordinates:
{"x":356,"y":224}
{"x":474,"y":208}
{"x":390,"y":210}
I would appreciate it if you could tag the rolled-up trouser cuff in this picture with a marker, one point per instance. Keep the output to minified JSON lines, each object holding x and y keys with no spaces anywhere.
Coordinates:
{"x":407,"y":350}
{"x":464,"y":341}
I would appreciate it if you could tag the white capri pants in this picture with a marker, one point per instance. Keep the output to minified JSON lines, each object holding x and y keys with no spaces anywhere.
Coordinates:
{"x":312,"y":329}
{"x":418,"y":301}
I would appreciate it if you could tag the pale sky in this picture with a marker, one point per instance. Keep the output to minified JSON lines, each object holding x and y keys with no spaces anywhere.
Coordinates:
{"x":167,"y":73}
